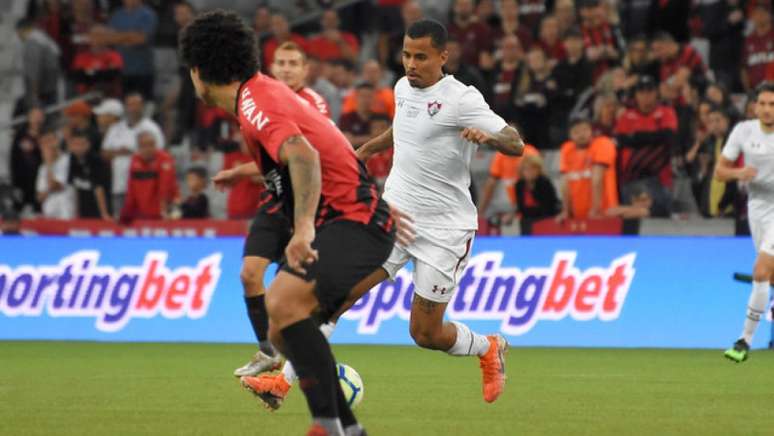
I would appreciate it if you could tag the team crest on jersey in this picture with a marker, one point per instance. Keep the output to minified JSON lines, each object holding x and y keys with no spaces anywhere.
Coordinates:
{"x":433,"y":108}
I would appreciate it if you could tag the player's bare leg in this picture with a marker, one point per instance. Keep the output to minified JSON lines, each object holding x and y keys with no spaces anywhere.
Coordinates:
{"x":756,"y":306}
{"x":266,"y":359}
{"x":429,"y":331}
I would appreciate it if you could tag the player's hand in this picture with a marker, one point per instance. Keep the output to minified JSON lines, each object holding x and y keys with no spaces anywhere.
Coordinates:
{"x":362,"y":154}
{"x":405,"y":233}
{"x":224,"y":179}
{"x":476,"y":136}
{"x":299,"y":252}
{"x":746,"y":174}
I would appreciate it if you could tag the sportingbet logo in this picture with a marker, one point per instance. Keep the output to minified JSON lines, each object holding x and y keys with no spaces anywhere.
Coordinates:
{"x":517,"y":298}
{"x":80,"y":287}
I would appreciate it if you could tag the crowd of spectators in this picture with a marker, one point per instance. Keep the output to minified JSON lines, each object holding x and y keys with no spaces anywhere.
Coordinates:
{"x":625,"y":104}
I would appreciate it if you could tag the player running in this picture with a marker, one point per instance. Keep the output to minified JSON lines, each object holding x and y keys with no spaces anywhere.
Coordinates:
{"x":341,"y":230}
{"x":755,"y":140}
{"x":270,"y":230}
{"x":437,"y":122}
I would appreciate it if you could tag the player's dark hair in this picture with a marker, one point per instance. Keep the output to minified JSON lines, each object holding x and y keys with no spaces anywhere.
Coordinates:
{"x":428,"y":27}
{"x":763,"y":87}
{"x":221,"y":47}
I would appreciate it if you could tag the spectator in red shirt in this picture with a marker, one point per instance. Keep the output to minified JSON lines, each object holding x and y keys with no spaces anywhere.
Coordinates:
{"x":758,"y":51}
{"x":98,"y":68}
{"x":152,"y":182}
{"x":84,"y":17}
{"x":646,"y":136}
{"x":602,"y":40}
{"x":677,"y":63}
{"x":475,"y":37}
{"x":332,"y":43}
{"x":243,"y":195}
{"x":550,"y":40}
{"x":280,"y":29}
{"x":379,"y":165}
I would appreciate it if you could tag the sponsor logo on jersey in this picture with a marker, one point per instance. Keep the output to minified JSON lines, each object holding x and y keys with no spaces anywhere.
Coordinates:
{"x":79,"y":286}
{"x":517,"y":298}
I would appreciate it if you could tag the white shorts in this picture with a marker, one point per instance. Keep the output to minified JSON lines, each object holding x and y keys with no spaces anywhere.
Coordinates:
{"x":439,"y":256}
{"x":762,"y":235}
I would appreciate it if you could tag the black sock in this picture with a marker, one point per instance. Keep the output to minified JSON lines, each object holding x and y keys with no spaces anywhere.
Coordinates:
{"x":345,"y":412}
{"x":312,"y":359}
{"x":259,"y":319}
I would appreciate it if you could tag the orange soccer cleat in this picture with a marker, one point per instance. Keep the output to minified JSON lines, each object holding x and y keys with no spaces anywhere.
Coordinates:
{"x":317,"y":430}
{"x":270,"y":389}
{"x":493,"y":368}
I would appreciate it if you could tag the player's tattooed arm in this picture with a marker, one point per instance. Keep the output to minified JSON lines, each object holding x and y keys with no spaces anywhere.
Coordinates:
{"x":506,"y":141}
{"x":375,"y":145}
{"x":303,"y":163}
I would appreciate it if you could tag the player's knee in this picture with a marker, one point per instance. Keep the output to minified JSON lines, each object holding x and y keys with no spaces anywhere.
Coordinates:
{"x":252,"y":281}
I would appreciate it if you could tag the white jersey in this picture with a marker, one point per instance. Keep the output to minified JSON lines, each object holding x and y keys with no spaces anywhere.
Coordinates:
{"x":430,"y":174}
{"x":750,"y":140}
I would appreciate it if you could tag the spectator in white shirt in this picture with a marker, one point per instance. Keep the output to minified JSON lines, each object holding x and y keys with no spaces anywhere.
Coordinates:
{"x":120,"y":140}
{"x":57,"y":198}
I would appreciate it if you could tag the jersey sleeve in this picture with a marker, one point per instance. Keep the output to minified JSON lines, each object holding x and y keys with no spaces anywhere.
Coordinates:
{"x":733,"y":147}
{"x":474,"y":112}
{"x":603,"y":152}
{"x":273,"y":132}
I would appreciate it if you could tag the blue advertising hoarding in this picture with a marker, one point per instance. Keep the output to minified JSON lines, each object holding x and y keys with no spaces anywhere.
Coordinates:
{"x":541,"y":291}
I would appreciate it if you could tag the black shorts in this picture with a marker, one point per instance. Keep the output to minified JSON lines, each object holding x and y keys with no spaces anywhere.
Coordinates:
{"x":268,"y":236}
{"x":348,"y":253}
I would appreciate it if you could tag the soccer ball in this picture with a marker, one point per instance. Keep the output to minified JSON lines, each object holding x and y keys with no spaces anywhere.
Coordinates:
{"x":351,"y":384}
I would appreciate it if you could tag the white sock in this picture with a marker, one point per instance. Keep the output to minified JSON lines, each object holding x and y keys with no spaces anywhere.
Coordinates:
{"x":468,"y":343}
{"x":756,"y":307}
{"x":287,"y":369}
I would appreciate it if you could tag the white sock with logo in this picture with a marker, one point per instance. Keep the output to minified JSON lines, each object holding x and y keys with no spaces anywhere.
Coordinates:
{"x":468,"y":343}
{"x":287,"y":369}
{"x":756,"y":307}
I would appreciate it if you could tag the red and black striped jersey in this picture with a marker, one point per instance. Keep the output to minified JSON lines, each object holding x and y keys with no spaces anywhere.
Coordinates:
{"x":269,"y":113}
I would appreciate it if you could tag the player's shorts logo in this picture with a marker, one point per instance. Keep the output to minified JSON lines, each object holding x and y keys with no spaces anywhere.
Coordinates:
{"x":433,"y":108}
{"x":437,"y":290}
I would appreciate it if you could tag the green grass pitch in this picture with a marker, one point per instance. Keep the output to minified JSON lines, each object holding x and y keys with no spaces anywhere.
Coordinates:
{"x":76,"y":388}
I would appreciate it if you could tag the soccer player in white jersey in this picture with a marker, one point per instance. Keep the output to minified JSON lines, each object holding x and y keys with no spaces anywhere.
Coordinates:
{"x":754,"y":139}
{"x":438,"y":123}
